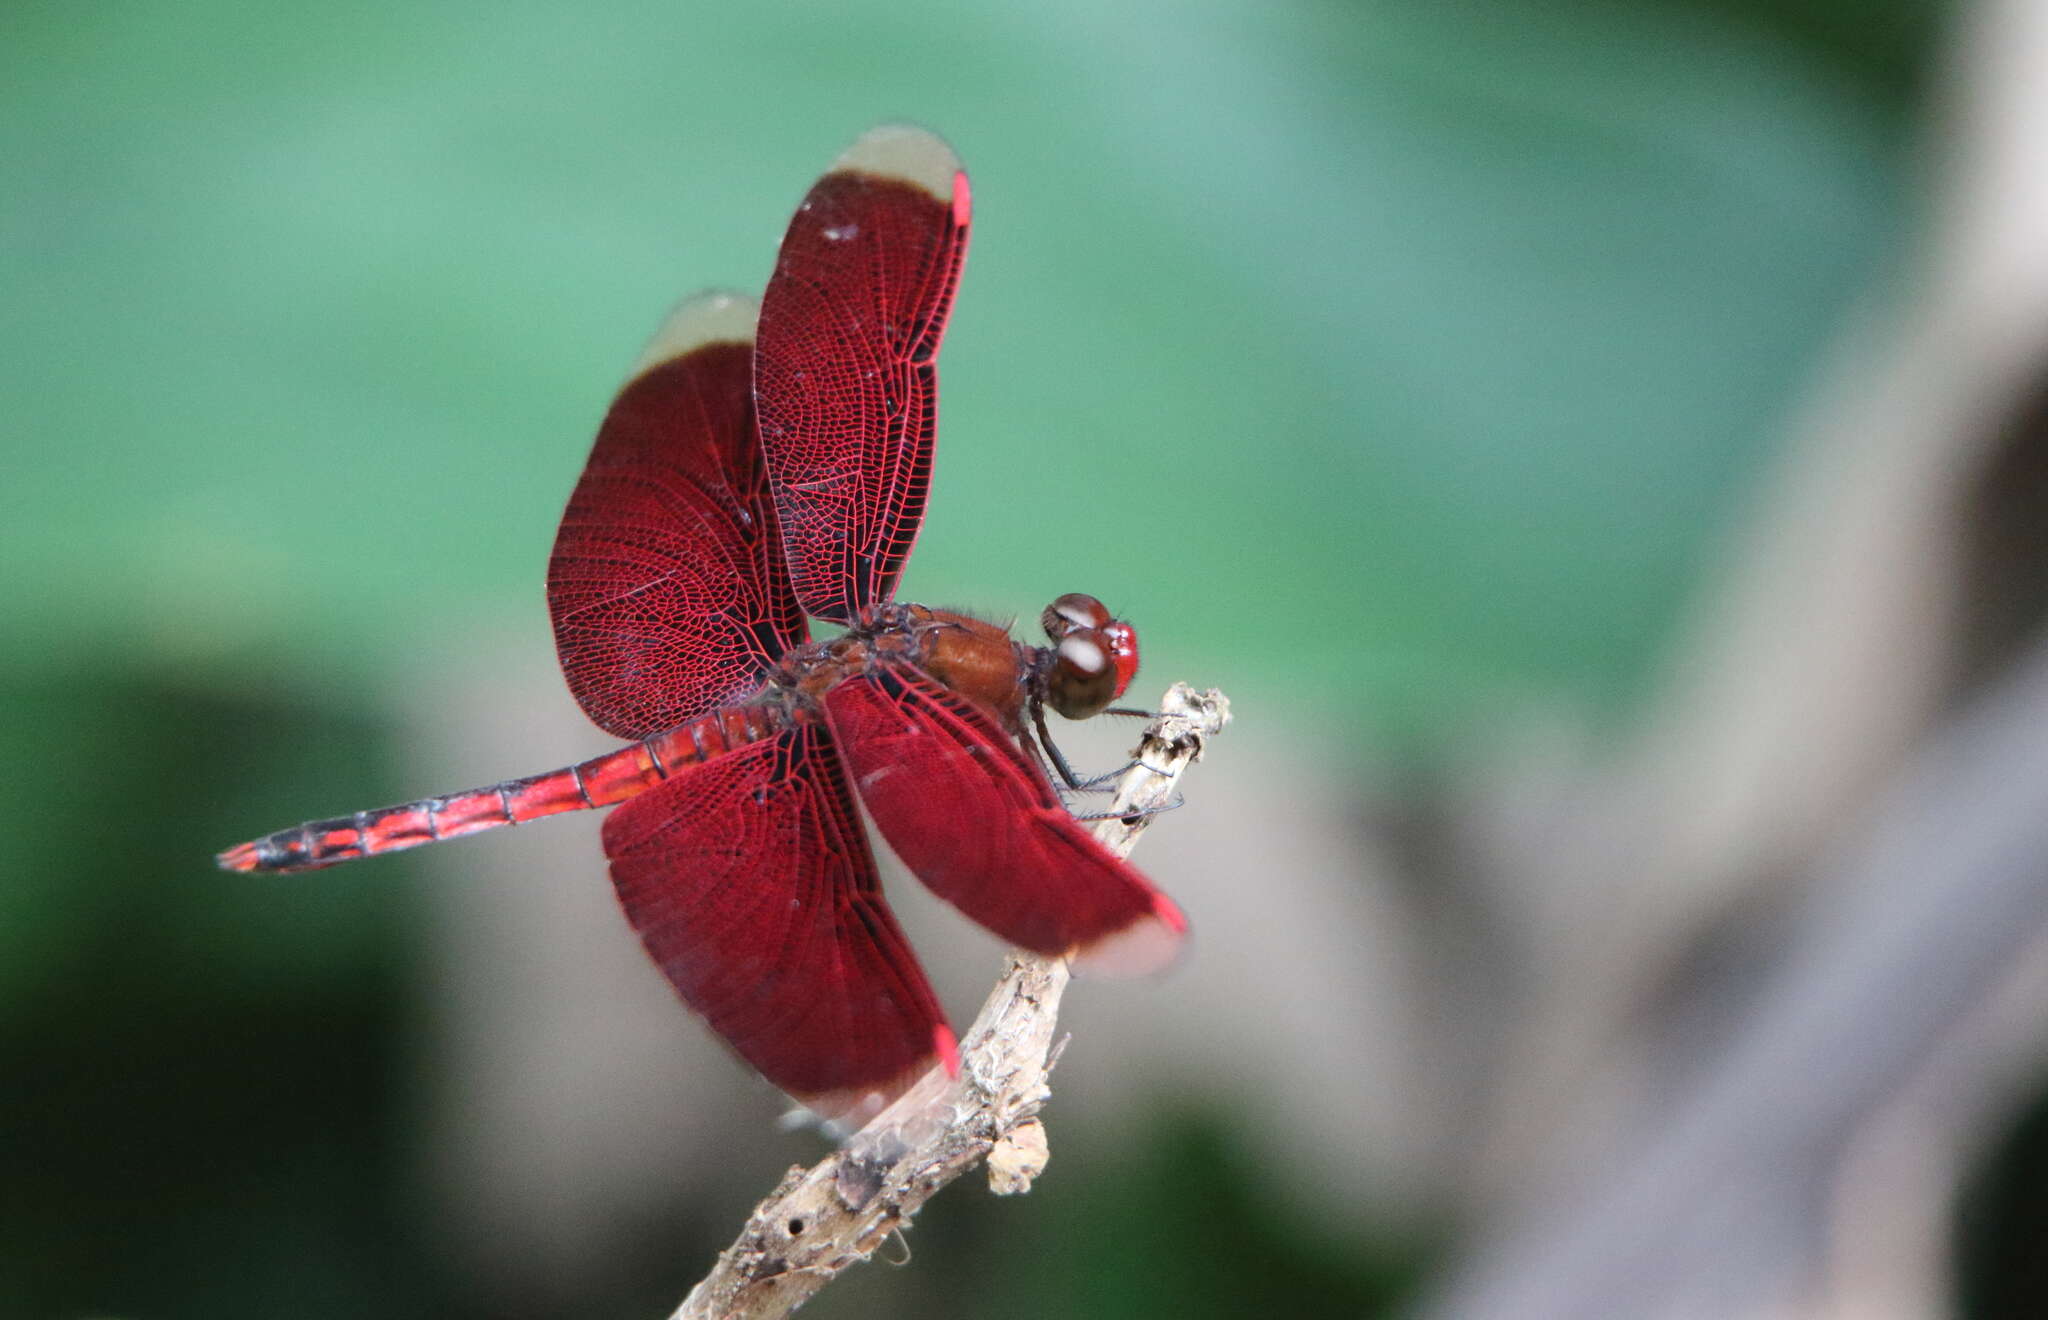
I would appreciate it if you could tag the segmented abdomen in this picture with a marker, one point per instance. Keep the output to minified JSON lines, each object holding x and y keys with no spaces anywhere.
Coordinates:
{"x":598,"y":782}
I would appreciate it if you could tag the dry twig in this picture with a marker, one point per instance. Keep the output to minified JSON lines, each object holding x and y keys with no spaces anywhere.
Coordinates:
{"x":820,"y":1220}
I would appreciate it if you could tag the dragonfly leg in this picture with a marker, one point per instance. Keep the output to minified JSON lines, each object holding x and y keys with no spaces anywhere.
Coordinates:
{"x":1134,"y":813}
{"x":1046,"y":750}
{"x":1103,"y":782}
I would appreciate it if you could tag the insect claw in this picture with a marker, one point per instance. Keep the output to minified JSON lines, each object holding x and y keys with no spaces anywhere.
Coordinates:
{"x":1136,"y":814}
{"x":1101,"y":782}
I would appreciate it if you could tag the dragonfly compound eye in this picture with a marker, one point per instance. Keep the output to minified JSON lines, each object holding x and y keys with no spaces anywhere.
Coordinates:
{"x":1071,"y":613}
{"x":1083,"y":678}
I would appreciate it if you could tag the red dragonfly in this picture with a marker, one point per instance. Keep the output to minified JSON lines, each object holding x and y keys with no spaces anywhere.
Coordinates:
{"x":765,"y":463}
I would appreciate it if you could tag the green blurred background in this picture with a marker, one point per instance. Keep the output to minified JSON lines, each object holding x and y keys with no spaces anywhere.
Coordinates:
{"x":1449,"y":336}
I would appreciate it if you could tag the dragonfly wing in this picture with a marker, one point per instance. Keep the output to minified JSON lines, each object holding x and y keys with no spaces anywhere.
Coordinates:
{"x":845,"y":371}
{"x":752,"y":886}
{"x":667,"y":585}
{"x":975,"y":819}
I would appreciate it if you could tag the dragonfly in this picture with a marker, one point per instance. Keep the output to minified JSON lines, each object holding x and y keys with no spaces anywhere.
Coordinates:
{"x":767,"y":464}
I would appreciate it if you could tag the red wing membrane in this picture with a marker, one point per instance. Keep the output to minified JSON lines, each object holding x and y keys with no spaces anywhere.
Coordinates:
{"x":977,"y":821}
{"x":845,"y":372}
{"x":749,"y":880}
{"x":667,"y":586}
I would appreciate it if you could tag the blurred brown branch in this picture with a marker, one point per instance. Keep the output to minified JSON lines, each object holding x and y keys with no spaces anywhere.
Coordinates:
{"x":1775,"y":1075}
{"x":821,"y":1220}
{"x":1916,"y":926}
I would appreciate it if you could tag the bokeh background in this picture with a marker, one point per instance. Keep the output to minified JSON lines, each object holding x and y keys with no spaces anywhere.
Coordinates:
{"x":1600,"y":448}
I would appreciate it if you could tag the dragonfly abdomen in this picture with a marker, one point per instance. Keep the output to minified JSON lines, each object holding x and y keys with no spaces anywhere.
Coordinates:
{"x":599,"y":782}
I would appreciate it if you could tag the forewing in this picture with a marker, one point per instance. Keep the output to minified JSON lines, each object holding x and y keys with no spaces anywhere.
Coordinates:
{"x":845,"y":371}
{"x":667,"y":586}
{"x":752,"y":886}
{"x":977,"y":821}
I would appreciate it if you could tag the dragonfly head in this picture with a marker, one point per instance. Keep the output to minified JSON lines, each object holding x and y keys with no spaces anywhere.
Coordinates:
{"x":1094,"y":656}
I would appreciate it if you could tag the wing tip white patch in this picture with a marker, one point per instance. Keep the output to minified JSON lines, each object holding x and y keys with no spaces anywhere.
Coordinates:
{"x":1150,"y":944}
{"x":714,"y":316}
{"x":848,"y":1109}
{"x":907,"y":152}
